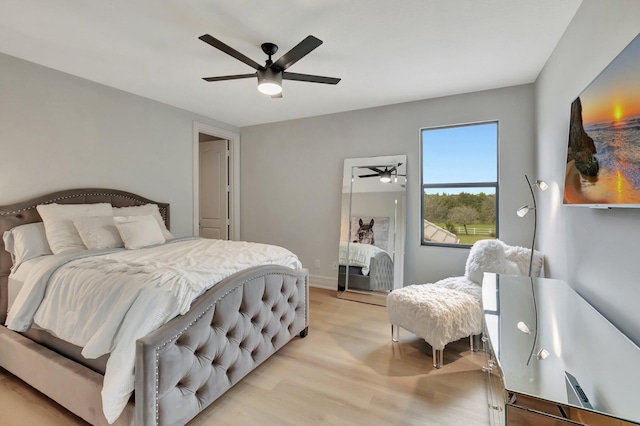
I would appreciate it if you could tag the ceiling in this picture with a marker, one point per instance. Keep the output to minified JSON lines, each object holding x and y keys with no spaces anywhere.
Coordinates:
{"x":386,"y":52}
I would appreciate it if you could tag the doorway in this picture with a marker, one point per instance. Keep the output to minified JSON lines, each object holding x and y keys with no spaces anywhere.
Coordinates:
{"x":214,"y":187}
{"x":215,"y":181}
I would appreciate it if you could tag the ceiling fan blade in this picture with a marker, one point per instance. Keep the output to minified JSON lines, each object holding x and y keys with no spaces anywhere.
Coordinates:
{"x":376,"y":169}
{"x":229,"y":51}
{"x":229,"y":77}
{"x":366,"y":176}
{"x":297,"y":52}
{"x":309,"y":78}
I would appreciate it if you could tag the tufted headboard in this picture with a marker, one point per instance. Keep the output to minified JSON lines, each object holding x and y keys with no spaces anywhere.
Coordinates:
{"x":25,"y":212}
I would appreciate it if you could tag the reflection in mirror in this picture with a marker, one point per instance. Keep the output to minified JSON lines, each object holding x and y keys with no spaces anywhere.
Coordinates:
{"x":372,"y":230}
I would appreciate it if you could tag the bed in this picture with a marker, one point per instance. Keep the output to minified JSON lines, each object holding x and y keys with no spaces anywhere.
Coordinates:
{"x":367,"y":266}
{"x":180,"y":367}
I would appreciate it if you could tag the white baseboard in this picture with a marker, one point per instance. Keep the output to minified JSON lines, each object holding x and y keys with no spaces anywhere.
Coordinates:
{"x":323,"y":282}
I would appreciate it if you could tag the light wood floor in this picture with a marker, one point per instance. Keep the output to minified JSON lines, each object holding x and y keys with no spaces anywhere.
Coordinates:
{"x":345,"y":372}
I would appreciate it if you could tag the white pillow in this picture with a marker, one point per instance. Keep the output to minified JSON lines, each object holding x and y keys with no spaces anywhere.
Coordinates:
{"x":62,"y":235}
{"x":139,"y":231}
{"x":146,"y":209}
{"x":98,"y":232}
{"x":25,"y":242}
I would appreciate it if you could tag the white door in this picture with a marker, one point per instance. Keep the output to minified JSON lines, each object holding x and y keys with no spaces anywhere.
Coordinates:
{"x":214,"y":190}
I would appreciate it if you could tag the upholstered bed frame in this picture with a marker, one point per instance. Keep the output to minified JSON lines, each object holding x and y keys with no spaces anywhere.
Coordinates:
{"x":185,"y":365}
{"x":380,"y":277}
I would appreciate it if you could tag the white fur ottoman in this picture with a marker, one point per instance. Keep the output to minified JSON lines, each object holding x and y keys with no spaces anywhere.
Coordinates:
{"x":439,"y":313}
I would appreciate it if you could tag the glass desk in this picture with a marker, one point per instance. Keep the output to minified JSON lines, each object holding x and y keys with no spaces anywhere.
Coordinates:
{"x":553,"y":359}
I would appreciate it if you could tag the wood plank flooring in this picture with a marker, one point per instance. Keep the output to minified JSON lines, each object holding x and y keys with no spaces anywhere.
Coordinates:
{"x":346,"y":372}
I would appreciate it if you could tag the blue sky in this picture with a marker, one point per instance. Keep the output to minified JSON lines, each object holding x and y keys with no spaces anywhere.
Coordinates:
{"x":462,"y":154}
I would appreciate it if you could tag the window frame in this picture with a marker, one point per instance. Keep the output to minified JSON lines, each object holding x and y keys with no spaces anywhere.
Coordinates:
{"x":424,"y":186}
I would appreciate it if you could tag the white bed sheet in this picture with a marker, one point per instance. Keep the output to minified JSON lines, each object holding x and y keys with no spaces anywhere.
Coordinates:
{"x":18,"y":277}
{"x":143,"y":289}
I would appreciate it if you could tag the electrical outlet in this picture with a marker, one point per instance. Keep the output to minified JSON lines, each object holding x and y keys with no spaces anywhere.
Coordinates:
{"x":317,"y":263}
{"x":334,"y":266}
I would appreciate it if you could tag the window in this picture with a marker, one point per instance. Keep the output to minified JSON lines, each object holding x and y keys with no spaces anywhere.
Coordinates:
{"x":459,"y":184}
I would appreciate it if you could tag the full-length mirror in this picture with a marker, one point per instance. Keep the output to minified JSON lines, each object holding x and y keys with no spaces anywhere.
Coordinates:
{"x":372,"y":230}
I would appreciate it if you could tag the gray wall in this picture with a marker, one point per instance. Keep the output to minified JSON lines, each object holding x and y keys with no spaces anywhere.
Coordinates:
{"x":595,"y":251}
{"x":58,"y":132}
{"x":291,"y":174}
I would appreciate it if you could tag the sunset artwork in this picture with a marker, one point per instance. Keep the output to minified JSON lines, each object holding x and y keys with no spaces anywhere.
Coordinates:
{"x":603,"y":154}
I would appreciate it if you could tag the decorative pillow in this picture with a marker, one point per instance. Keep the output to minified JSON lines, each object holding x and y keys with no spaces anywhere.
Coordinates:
{"x":98,"y":232}
{"x":25,"y":242}
{"x":139,"y":231}
{"x":62,"y":235}
{"x":146,"y":209}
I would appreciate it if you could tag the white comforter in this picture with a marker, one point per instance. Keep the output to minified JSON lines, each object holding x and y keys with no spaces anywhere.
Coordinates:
{"x":105,"y":301}
{"x":358,"y":255}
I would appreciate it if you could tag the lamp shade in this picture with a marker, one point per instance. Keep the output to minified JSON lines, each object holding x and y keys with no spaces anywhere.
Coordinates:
{"x":522,"y":326}
{"x":542,"y":353}
{"x":522,"y":211}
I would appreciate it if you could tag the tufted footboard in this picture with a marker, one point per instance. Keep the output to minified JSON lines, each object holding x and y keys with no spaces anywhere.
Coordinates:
{"x":381,"y":272}
{"x":231,"y":329}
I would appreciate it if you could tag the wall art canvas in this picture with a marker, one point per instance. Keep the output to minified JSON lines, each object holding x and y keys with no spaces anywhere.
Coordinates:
{"x":603,"y":153}
{"x":370,"y":230}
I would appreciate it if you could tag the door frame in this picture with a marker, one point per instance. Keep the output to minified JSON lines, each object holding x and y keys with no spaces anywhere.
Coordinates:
{"x":234,"y":175}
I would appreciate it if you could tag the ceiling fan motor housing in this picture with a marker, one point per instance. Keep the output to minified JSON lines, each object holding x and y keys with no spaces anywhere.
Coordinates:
{"x":269,"y":81}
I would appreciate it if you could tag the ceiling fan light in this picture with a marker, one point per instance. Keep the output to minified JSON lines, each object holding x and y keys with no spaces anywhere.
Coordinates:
{"x":385,"y":177}
{"x":269,"y":88}
{"x":269,"y":82}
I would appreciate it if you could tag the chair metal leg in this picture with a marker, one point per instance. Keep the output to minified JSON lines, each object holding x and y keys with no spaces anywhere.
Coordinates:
{"x":475,"y":341}
{"x":395,"y":333}
{"x":437,"y":358}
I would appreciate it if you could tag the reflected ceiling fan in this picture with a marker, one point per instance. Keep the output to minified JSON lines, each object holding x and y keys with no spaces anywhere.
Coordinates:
{"x":270,"y":75}
{"x":385,"y":173}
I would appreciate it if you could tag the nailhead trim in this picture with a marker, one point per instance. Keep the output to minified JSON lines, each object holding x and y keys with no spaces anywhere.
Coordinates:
{"x":163,"y":211}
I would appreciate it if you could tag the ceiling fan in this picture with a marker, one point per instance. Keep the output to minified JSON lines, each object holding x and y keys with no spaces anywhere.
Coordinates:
{"x":270,"y":75}
{"x":384,"y":175}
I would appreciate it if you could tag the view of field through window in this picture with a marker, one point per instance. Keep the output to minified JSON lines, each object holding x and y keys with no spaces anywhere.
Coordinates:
{"x":460,"y":183}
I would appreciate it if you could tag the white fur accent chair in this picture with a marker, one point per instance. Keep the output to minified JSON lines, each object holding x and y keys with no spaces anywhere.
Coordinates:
{"x":450,"y":309}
